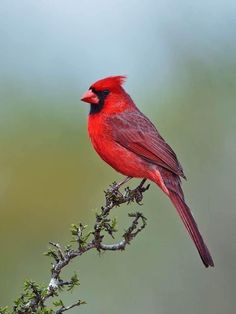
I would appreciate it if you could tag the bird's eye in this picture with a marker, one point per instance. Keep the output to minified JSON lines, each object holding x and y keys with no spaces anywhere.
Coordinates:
{"x":106,"y":92}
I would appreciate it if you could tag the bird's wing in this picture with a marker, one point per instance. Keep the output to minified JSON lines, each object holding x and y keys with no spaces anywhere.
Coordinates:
{"x":136,"y":133}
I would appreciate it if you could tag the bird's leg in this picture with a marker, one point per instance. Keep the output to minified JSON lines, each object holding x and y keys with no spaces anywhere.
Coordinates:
{"x":141,"y":184}
{"x":115,"y":186}
{"x":118,"y":185}
{"x":138,"y":191}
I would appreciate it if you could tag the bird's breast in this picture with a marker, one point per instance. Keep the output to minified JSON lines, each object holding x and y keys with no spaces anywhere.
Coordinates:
{"x":100,"y":133}
{"x":120,"y":158}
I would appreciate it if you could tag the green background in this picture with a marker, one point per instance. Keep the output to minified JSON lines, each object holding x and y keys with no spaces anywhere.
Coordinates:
{"x":179,"y":57}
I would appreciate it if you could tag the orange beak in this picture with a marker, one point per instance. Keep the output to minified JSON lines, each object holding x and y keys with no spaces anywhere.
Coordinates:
{"x":90,"y":97}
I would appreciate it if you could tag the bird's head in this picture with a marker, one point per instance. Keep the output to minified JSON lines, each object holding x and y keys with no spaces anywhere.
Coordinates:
{"x":107,"y":93}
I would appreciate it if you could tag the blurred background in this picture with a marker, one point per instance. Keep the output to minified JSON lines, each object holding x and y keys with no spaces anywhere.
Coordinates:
{"x":179,"y":57}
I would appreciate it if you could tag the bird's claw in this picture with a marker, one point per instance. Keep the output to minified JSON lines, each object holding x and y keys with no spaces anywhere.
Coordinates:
{"x":113,"y":194}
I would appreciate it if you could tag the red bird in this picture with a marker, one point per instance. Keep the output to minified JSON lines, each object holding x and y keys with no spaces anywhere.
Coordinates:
{"x":128,"y":141}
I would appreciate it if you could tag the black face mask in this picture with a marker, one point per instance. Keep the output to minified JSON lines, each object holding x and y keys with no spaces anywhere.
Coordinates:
{"x":102,"y":95}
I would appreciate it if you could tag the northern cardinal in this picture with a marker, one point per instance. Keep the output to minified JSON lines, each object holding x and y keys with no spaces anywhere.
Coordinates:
{"x":128,"y":141}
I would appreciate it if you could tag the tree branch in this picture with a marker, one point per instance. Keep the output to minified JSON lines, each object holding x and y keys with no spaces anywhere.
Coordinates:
{"x":34,"y":297}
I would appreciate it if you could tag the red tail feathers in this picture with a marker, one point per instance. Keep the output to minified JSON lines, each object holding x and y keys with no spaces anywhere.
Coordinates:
{"x":189,"y":222}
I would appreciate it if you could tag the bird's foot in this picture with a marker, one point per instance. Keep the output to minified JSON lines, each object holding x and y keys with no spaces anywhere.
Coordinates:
{"x":136,"y":195}
{"x":116,"y":186}
{"x":115,"y":196}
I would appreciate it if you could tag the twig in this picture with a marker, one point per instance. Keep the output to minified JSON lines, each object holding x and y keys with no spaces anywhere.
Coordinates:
{"x":66,"y":308}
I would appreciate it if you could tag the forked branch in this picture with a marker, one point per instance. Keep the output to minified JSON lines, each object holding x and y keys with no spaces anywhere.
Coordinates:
{"x":34,"y":297}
